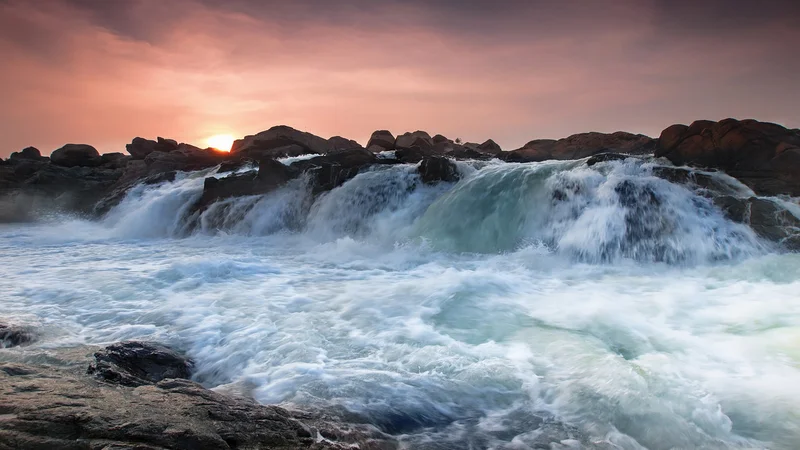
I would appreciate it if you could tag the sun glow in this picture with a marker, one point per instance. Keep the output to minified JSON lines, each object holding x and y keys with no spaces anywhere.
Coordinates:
{"x":222,"y":142}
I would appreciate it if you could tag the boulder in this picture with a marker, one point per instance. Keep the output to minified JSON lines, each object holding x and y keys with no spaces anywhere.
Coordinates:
{"x":410,"y":155}
{"x":763,"y":155}
{"x":135,"y":363}
{"x":275,"y":142}
{"x":336,"y":167}
{"x":438,"y":139}
{"x":418,"y":138}
{"x":766,"y":217}
{"x":271,"y":175}
{"x":14,"y":335}
{"x":382,"y":139}
{"x":582,"y":145}
{"x":27,"y":153}
{"x":140,"y":147}
{"x":72,"y":155}
{"x":434,"y":169}
{"x":490,"y":147}
{"x":340,"y":143}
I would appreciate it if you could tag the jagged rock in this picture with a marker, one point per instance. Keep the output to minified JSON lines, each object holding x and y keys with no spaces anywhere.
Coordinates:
{"x":140,"y":147}
{"x":72,"y":155}
{"x":341,"y":143}
{"x":14,"y":335}
{"x":336,"y":167}
{"x":135,"y":363}
{"x":28,"y":153}
{"x":275,"y":142}
{"x":434,"y":169}
{"x":418,"y":138}
{"x":271,"y":175}
{"x":582,"y":145}
{"x":49,"y":408}
{"x":763,"y":155}
{"x":382,"y":139}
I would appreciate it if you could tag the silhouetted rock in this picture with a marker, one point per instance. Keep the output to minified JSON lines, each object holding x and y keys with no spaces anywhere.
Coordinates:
{"x":419,"y":139}
{"x":14,"y":335}
{"x":763,"y":155}
{"x":72,"y":155}
{"x":271,"y":175}
{"x":490,"y":147}
{"x":276,"y":142}
{"x":135,"y":363}
{"x":411,"y":155}
{"x":382,"y":139}
{"x":336,"y":167}
{"x":582,"y":145}
{"x":140,"y":147}
{"x":434,"y":169}
{"x":341,"y":143}
{"x":439,"y":139}
{"x":28,"y":153}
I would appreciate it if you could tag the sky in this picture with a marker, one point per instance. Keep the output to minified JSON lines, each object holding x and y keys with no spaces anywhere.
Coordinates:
{"x":104,"y":71}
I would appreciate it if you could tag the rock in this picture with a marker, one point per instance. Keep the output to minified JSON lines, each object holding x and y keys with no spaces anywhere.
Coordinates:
{"x":271,"y":175}
{"x":603,"y":157}
{"x":464,"y":152}
{"x":234,"y":165}
{"x":50,"y":408}
{"x":27,"y":153}
{"x":336,"y":167}
{"x":438,"y":139}
{"x":490,"y":147}
{"x":72,"y":155}
{"x":267,"y":143}
{"x":434,"y":169}
{"x":14,"y":335}
{"x":765,"y":156}
{"x":582,"y":145}
{"x":419,"y":139}
{"x":135,"y":363}
{"x":766,"y":217}
{"x":340,"y":143}
{"x":410,"y":155}
{"x":382,"y":139}
{"x":140,"y":147}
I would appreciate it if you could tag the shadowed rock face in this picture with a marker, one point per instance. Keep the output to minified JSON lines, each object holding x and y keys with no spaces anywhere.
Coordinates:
{"x":138,"y":363}
{"x":436,"y":168}
{"x":334,"y":168}
{"x":763,"y":155}
{"x":580,"y":146}
{"x":280,"y":141}
{"x":72,"y":155}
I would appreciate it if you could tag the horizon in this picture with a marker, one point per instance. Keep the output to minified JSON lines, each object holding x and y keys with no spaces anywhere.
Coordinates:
{"x":85,"y":71}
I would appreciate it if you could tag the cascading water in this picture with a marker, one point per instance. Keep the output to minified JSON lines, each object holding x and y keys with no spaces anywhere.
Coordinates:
{"x":523,"y":306}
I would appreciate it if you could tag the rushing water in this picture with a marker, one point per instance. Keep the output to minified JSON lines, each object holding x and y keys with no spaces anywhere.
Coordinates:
{"x":525,"y":304}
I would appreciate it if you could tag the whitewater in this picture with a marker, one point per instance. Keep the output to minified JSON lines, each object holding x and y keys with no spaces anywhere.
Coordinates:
{"x":596,"y":306}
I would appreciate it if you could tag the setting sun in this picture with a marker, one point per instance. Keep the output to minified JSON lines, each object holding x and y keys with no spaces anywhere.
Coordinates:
{"x":222,"y":142}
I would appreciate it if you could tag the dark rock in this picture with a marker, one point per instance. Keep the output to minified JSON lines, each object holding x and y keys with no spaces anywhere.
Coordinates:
{"x":336,"y":167}
{"x":464,"y":152}
{"x":490,"y":147}
{"x":763,"y":155}
{"x":603,"y":157}
{"x":28,"y":153}
{"x":234,"y":165}
{"x":271,"y":175}
{"x":340,"y":143}
{"x":438,"y":139}
{"x":72,"y":155}
{"x":766,"y":217}
{"x":136,"y":363}
{"x":49,"y":408}
{"x":140,"y":147}
{"x":14,"y":335}
{"x":267,"y":143}
{"x":434,"y":169}
{"x":692,"y":178}
{"x":383,"y":139}
{"x":418,"y":138}
{"x":410,"y":155}
{"x":582,"y":145}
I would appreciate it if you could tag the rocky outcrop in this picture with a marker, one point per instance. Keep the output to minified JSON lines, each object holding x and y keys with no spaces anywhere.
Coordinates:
{"x":490,"y":147}
{"x":271,"y":175}
{"x":419,"y":139}
{"x":763,"y":155}
{"x":341,"y":143}
{"x":582,"y":145}
{"x":280,"y":141}
{"x":14,"y":335}
{"x":140,"y":147}
{"x":73,"y":155}
{"x":27,"y":154}
{"x":135,"y":363}
{"x":51,"y":408}
{"x":334,"y":168}
{"x":381,"y":140}
{"x":767,"y":218}
{"x":434,"y":169}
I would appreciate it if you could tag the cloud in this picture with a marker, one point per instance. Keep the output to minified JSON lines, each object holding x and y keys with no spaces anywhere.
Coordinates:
{"x":103,"y":72}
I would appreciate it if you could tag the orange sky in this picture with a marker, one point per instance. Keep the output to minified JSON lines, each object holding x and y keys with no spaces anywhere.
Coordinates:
{"x":103,"y":72}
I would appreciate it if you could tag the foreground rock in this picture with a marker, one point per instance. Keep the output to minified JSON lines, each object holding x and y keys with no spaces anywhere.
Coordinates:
{"x":582,"y":145}
{"x":763,"y":155}
{"x":764,"y":216}
{"x":14,"y":335}
{"x":334,"y":168}
{"x":271,"y":175}
{"x":436,"y":168}
{"x":138,"y":363}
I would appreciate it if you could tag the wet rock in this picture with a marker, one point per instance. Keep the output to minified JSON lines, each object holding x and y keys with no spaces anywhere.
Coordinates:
{"x":47,"y":408}
{"x":276,"y":142}
{"x":14,"y":335}
{"x":490,"y":147}
{"x":410,"y":155}
{"x":140,"y":147}
{"x":234,"y":165}
{"x":418,"y":139}
{"x":464,"y":152}
{"x":135,"y":363}
{"x":271,"y":175}
{"x":382,"y":139}
{"x":603,"y":157}
{"x":582,"y":145}
{"x":336,"y":167}
{"x":694,"y":179}
{"x":766,"y":217}
{"x":341,"y":143}
{"x":434,"y":169}
{"x":763,"y":155}
{"x":72,"y":155}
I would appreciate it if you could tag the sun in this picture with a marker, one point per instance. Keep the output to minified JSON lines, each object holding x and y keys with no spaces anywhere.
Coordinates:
{"x":221,"y":142}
